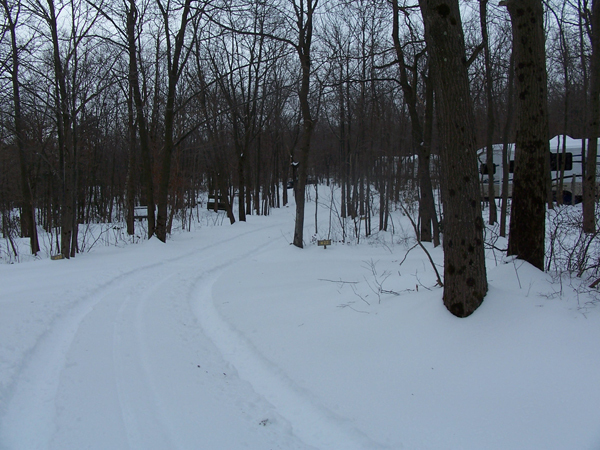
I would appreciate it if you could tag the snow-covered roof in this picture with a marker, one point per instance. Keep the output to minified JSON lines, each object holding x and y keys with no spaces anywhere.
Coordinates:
{"x":572,"y":144}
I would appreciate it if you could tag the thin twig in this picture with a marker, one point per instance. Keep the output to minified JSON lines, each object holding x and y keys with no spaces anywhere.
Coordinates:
{"x":338,"y":281}
{"x":359,"y":296}
{"x":346,"y":305}
{"x":407,"y":252}
{"x":414,"y":225}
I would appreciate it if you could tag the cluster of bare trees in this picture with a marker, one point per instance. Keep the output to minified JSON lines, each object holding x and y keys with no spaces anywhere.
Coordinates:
{"x":113,"y":104}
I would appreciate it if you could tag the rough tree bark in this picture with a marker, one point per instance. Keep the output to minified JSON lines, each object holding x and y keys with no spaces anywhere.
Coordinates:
{"x":589,"y":181}
{"x":304,"y":16}
{"x":527,"y":229}
{"x":465,"y":282}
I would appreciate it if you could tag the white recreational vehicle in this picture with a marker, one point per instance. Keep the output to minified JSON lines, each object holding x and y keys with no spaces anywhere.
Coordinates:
{"x":573,"y":170}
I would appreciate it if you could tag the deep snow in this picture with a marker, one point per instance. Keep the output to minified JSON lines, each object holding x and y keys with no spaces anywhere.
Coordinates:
{"x":228,"y":338}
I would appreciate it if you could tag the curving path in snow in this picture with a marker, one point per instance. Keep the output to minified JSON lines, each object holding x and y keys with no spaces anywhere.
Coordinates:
{"x":229,"y":338}
{"x":142,"y":359}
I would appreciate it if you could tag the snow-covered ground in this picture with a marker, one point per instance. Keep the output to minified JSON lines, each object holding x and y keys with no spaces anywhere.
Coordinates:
{"x":230,"y":338}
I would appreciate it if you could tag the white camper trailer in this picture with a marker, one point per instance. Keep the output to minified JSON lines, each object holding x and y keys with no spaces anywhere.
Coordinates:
{"x":573,"y":170}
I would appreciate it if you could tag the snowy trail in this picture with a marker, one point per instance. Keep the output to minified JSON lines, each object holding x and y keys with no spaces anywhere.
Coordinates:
{"x":311,"y":421}
{"x":33,"y":402}
{"x":229,"y":338}
{"x":145,"y":361}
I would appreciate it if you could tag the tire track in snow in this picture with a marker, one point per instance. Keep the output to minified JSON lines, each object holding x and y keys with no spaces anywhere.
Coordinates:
{"x":314,"y":424}
{"x":132,"y":425}
{"x":148,"y":429}
{"x":28,"y":418}
{"x":28,"y":421}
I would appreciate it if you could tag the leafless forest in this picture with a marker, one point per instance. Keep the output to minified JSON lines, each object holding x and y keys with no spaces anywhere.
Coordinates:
{"x":115,"y":108}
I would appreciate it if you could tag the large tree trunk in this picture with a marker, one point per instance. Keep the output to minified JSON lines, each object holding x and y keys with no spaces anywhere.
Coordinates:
{"x":303,"y":49}
{"x":528,"y":214}
{"x":302,"y":166}
{"x":465,"y":282}
{"x":589,"y":182}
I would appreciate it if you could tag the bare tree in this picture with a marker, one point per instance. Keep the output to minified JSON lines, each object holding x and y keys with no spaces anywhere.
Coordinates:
{"x":505,"y":158}
{"x":562,"y":56}
{"x":581,"y":8}
{"x":489,"y":91}
{"x":176,"y":58}
{"x":304,"y":13}
{"x":429,"y":229}
{"x":241,"y":67}
{"x":131,"y":165}
{"x":28,"y":223}
{"x":76,"y":79}
{"x":142,"y":125}
{"x":65,"y":135}
{"x":465,"y":282}
{"x":589,"y":183}
{"x":531,"y":176}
